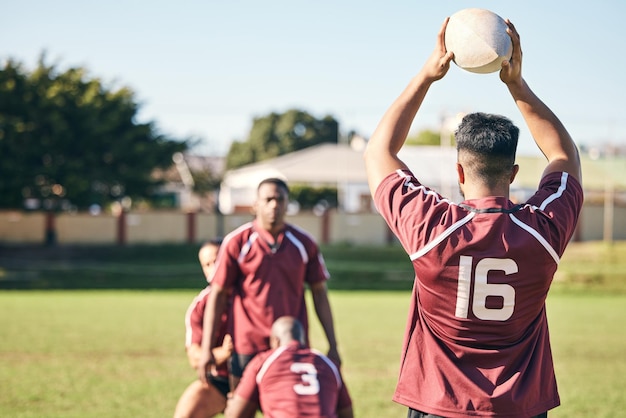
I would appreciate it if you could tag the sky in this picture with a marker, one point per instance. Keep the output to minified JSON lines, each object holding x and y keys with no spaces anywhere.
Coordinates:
{"x":206,"y":69}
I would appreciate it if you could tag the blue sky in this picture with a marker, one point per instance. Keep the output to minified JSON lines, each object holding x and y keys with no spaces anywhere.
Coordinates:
{"x":206,"y":68}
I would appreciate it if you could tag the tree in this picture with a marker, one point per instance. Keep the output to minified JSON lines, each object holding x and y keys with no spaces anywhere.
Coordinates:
{"x":278,"y":134}
{"x":67,"y":140}
{"x":308,"y":197}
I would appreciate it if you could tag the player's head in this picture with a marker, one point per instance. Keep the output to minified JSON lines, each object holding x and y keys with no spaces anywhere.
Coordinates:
{"x":486,"y":146}
{"x":207,"y":255}
{"x":286,"y":329}
{"x":271,"y":202}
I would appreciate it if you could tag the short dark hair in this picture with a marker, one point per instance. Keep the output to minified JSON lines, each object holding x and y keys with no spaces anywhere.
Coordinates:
{"x":275,"y":181}
{"x":487,"y":143}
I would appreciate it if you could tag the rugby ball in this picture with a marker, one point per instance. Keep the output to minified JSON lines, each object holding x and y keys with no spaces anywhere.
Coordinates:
{"x":479,"y":40}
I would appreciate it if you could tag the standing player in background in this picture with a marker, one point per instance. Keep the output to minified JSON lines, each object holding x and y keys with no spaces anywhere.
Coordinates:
{"x":266,"y":264}
{"x":290,"y":380}
{"x":205,"y":399}
{"x":477,"y":341}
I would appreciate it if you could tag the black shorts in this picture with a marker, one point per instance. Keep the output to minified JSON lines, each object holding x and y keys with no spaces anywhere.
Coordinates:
{"x":220,"y":383}
{"x":238,"y":362}
{"x":417,"y":414}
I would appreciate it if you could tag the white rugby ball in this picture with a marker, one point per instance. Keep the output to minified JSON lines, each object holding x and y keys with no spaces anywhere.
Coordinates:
{"x":479,"y":40}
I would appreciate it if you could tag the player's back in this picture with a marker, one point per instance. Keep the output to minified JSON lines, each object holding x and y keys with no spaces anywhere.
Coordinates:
{"x":483,"y":269}
{"x":298,"y":382}
{"x":486,"y":284}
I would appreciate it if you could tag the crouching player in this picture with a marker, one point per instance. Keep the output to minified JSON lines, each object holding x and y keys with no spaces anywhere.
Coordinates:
{"x":200,"y":399}
{"x":290,"y":380}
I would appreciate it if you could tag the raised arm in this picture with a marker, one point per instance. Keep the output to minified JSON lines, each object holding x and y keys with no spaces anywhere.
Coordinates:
{"x":381,"y":154}
{"x":545,"y":127}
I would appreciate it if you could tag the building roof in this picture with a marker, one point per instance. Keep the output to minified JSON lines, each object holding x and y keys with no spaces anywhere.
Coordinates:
{"x":322,"y":164}
{"x":337,"y":163}
{"x":333,"y":164}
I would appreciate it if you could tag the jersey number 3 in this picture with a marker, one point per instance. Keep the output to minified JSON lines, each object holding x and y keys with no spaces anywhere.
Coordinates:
{"x":308,"y":373}
{"x":483,"y":290}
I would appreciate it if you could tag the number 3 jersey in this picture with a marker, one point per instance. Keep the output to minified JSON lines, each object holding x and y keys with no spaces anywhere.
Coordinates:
{"x":294,"y":381}
{"x":476,"y":342}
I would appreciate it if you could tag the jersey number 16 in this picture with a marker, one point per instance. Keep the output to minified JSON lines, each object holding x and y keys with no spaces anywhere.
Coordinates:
{"x":482,"y":289}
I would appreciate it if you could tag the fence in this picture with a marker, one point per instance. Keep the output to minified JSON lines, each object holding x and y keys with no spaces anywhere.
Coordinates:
{"x":171,"y":227}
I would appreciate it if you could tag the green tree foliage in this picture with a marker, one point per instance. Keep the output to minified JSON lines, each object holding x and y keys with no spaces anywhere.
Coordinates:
{"x":308,"y":197}
{"x":278,"y":134}
{"x":205,"y":181}
{"x":67,"y":139}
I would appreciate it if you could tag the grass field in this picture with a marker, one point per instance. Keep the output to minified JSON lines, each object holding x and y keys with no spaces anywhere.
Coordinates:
{"x":98,"y":352}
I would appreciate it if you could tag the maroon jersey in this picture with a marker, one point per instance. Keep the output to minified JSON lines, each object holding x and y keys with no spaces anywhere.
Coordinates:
{"x":194,"y":318}
{"x":294,"y":381}
{"x":477,"y":338}
{"x":267,"y":282}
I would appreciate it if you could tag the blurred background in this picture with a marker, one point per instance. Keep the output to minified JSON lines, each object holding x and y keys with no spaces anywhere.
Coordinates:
{"x":145,"y":108}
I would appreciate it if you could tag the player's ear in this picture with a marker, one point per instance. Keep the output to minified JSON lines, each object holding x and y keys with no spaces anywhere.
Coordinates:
{"x":274,"y":342}
{"x":514,"y":173}
{"x":460,"y":173}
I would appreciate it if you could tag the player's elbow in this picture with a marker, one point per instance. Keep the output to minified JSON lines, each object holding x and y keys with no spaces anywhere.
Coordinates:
{"x":568,"y":164}
{"x":375,"y":154}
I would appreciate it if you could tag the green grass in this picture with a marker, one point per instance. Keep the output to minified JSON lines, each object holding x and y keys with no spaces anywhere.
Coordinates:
{"x":593,"y":266}
{"x":119,"y":353}
{"x":115,"y":348}
{"x":588,"y":342}
{"x":176,"y":267}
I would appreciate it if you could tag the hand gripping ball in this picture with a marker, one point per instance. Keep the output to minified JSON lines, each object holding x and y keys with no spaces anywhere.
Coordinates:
{"x":479,"y":40}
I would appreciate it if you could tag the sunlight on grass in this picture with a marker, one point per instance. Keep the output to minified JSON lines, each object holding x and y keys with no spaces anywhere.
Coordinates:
{"x":120,"y":353}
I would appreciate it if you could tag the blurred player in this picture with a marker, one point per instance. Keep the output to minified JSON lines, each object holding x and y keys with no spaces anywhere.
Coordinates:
{"x":266,"y":264}
{"x":477,"y":341}
{"x":205,"y":399}
{"x":290,"y":380}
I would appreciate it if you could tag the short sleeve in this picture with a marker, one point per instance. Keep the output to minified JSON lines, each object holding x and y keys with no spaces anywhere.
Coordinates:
{"x":560,"y":199}
{"x":227,"y":265}
{"x":412,"y":211}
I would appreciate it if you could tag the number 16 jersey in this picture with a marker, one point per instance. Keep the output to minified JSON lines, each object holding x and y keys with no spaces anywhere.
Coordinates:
{"x":477,"y":342}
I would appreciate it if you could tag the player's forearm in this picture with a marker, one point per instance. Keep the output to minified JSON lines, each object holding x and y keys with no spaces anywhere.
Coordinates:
{"x":381,"y":154}
{"x":193,"y":355}
{"x":324,"y":313}
{"x":208,"y":330}
{"x":326,"y":320}
{"x":394,"y":127}
{"x":546,"y":129}
{"x":215,"y":306}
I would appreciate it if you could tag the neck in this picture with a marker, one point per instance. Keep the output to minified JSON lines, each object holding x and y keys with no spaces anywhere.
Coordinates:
{"x":273,"y":229}
{"x":481,"y":191}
